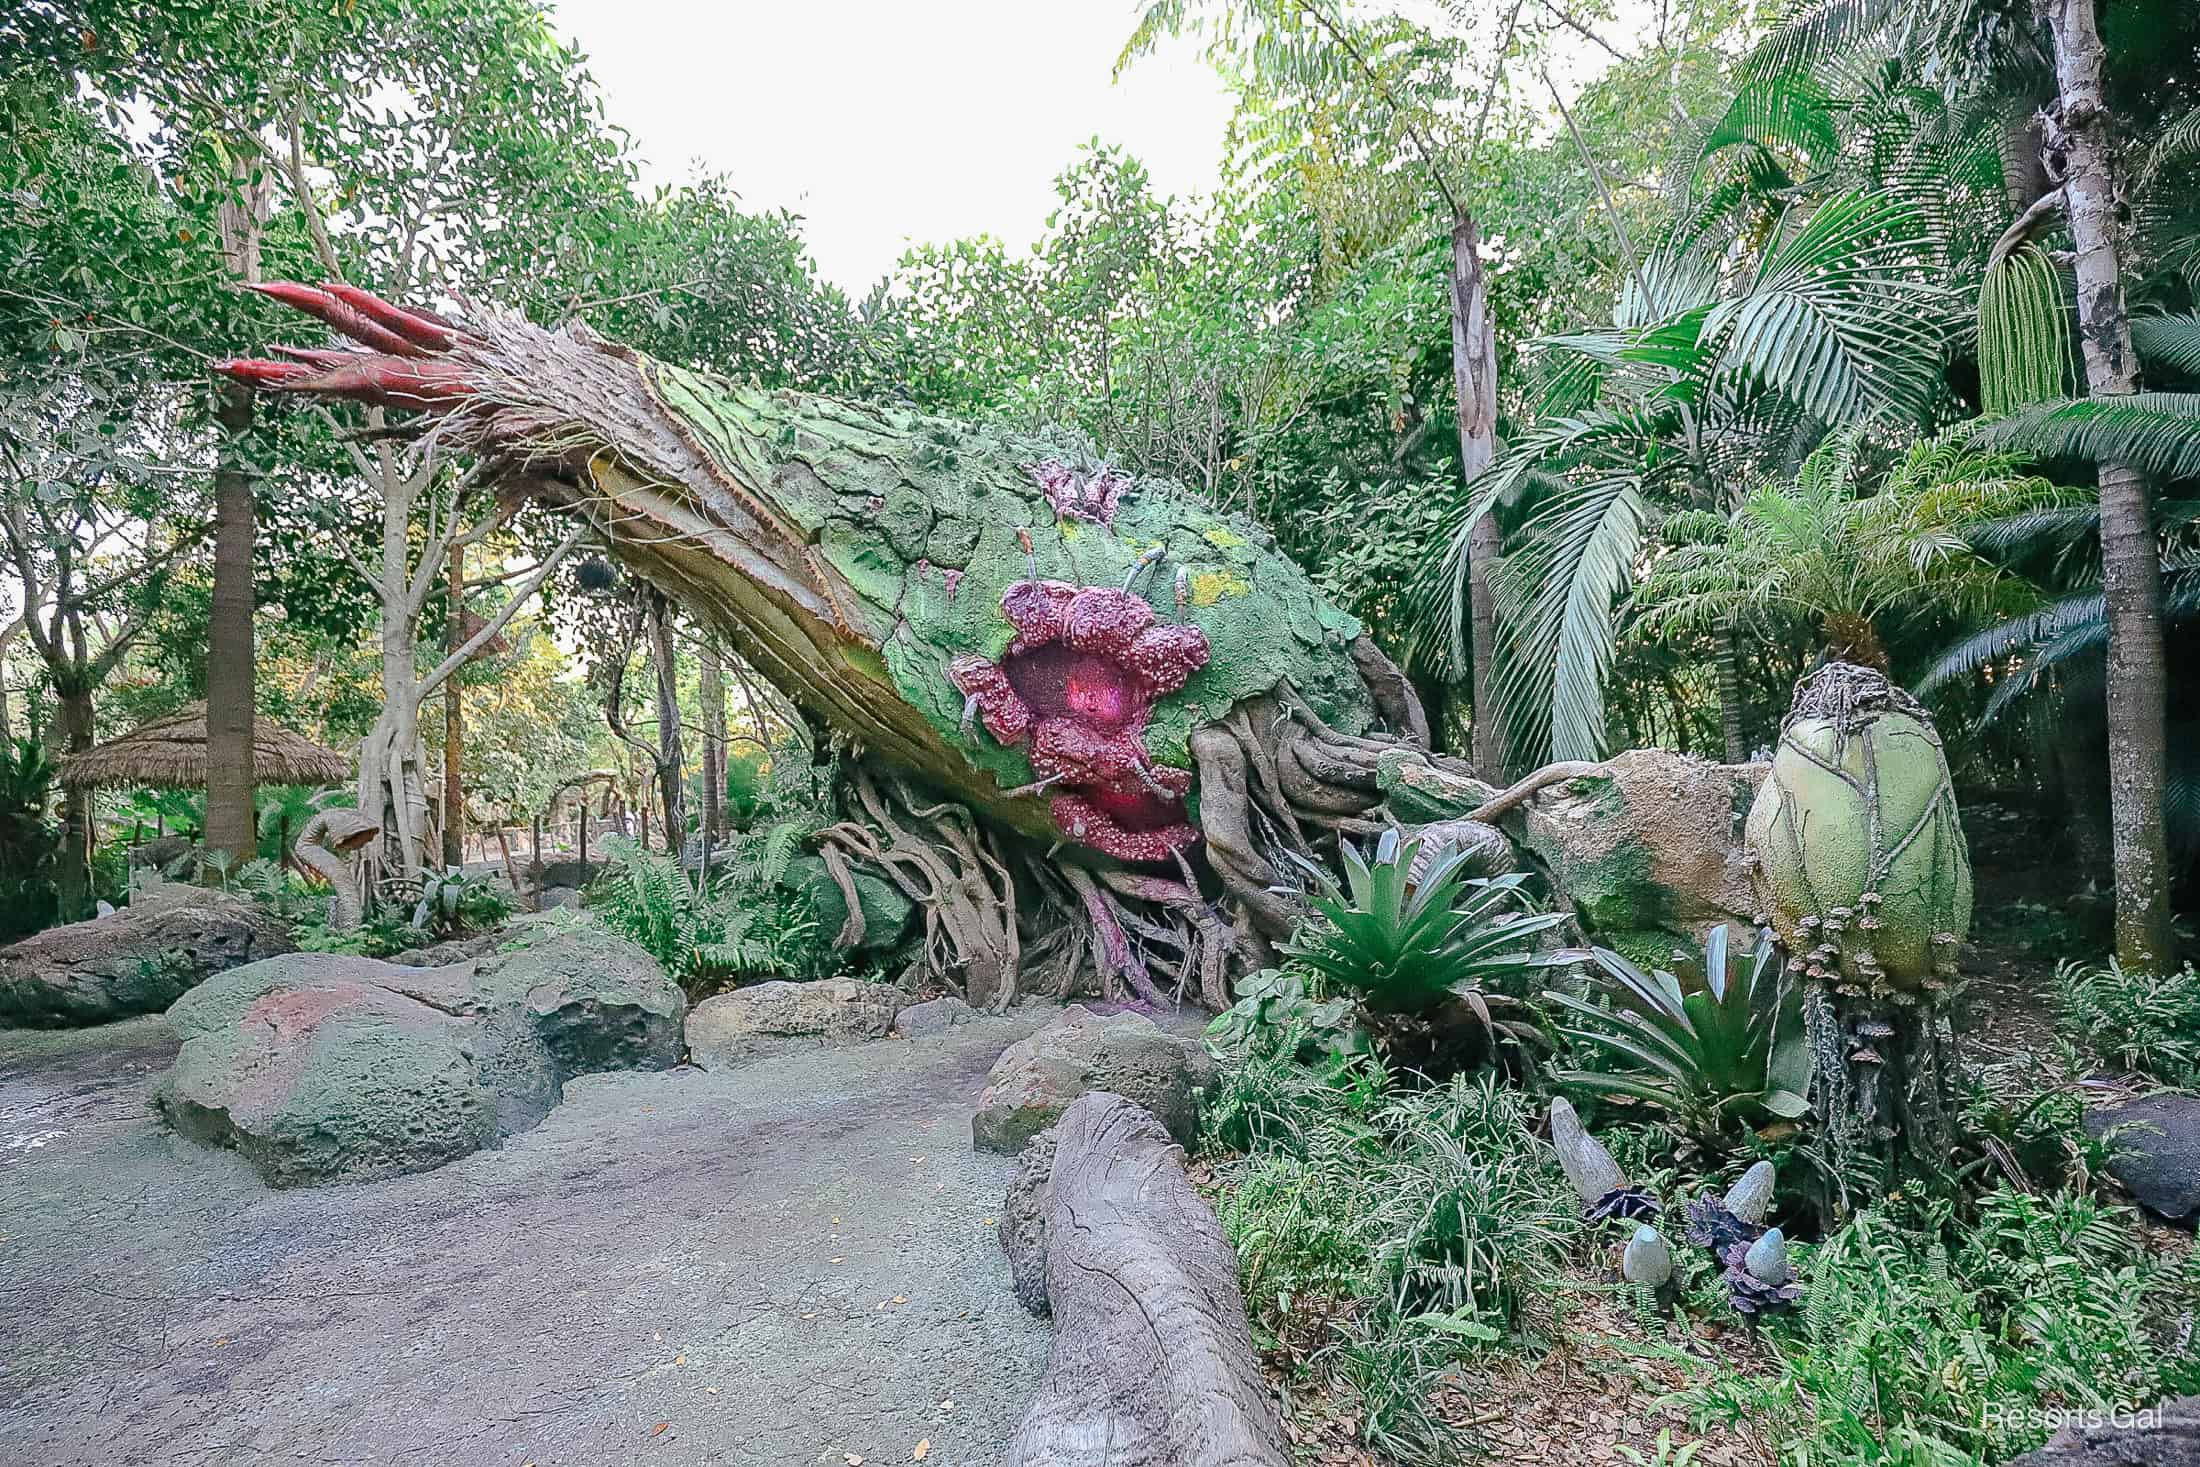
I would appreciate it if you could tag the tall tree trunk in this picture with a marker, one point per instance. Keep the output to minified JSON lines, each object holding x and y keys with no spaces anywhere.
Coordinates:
{"x":1729,"y":659}
{"x":229,"y":649}
{"x":2131,"y":566}
{"x":710,"y":688}
{"x":669,"y":755}
{"x":1474,"y":377}
{"x":73,"y":876}
{"x":454,"y":726}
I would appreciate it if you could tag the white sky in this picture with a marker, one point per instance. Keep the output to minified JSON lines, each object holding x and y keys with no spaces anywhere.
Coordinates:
{"x":889,"y":121}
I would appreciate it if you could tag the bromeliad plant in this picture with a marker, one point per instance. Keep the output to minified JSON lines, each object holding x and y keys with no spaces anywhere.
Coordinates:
{"x":1731,"y":1050}
{"x":1411,"y":934}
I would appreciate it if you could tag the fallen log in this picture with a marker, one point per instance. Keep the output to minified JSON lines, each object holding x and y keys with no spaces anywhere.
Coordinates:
{"x":1153,"y":1363}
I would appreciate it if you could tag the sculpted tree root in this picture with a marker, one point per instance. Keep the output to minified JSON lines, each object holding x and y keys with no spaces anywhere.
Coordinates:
{"x":1068,"y":686}
{"x":1153,"y":1362}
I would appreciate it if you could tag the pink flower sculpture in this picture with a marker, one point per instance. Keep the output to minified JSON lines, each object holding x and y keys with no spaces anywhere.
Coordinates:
{"x":1078,"y":684}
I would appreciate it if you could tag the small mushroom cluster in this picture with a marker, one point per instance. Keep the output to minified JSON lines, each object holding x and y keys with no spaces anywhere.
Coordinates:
{"x":1752,"y":1257}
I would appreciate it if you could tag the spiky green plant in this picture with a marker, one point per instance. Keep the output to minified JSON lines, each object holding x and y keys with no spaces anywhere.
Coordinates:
{"x":1407,"y":945}
{"x":1844,"y":550}
{"x":1730,"y":1050}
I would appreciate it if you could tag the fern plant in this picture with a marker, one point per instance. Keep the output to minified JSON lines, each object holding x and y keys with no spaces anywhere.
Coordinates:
{"x":740,"y":923}
{"x":2148,"y":1023}
{"x":1731,"y":1049}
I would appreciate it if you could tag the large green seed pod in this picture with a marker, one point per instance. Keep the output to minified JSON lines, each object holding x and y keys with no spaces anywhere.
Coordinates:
{"x":1861,"y":863}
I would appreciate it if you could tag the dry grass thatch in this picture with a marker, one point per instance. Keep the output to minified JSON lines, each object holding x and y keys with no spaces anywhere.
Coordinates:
{"x":170,"y":753}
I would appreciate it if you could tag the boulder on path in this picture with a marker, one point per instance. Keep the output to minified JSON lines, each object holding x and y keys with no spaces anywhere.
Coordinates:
{"x":772,"y":1018}
{"x":933,"y":1016}
{"x":1647,"y":852}
{"x":2155,"y":1151}
{"x":320,"y":1067}
{"x":1036,"y":1079}
{"x":2167,"y":1435}
{"x":138,"y":960}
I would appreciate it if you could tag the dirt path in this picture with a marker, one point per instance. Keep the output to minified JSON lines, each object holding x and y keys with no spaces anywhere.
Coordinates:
{"x":790,"y":1263}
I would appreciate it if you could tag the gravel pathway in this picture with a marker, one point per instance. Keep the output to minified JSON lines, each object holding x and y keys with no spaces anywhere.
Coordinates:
{"x":792,"y":1262}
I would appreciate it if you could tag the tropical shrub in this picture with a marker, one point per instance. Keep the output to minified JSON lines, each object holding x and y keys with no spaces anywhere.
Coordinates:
{"x":1274,"y":1010}
{"x":737,"y":924}
{"x":1731,"y":1050}
{"x":28,"y":840}
{"x":452,"y":901}
{"x":1408,"y":942}
{"x":2146,"y":1022}
{"x":1386,"y":1234}
{"x":1926,"y":1341}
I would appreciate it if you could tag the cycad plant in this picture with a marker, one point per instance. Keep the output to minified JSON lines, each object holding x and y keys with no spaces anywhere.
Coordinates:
{"x":1835,"y":551}
{"x":1730,"y":1050}
{"x":1410,"y":943}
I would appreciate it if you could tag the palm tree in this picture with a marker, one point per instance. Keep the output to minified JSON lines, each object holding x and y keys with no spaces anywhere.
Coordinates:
{"x":1822,"y":550}
{"x":2044,"y":66}
{"x":1761,"y":321}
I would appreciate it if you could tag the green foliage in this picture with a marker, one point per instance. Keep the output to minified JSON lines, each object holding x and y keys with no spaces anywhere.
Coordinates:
{"x":382,"y":934}
{"x":1386,"y":1235}
{"x":1406,"y":945}
{"x":1847,"y":551}
{"x":1729,"y":1050}
{"x":452,"y":902}
{"x":1930,"y":1342}
{"x":1274,"y":1010}
{"x":2158,"y":432}
{"x":738,"y":927}
{"x":2146,"y":1022}
{"x":28,"y":840}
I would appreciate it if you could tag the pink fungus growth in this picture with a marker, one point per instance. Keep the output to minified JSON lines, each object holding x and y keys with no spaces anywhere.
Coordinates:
{"x":1081,"y":496}
{"x":1079,"y":682}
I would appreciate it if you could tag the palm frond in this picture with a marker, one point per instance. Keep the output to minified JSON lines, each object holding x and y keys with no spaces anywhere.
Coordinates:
{"x":1557,"y":594}
{"x":2169,"y":341}
{"x":1838,"y":318}
{"x":2156,"y":432}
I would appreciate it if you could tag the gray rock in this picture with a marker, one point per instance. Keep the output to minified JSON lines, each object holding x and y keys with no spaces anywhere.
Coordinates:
{"x":137,"y":961}
{"x":162,"y":852}
{"x":320,"y":1067}
{"x":770,"y":1018}
{"x":933,"y":1016}
{"x":571,"y":873}
{"x":1036,"y":1079}
{"x":1023,"y":1227}
{"x":2156,"y":1151}
{"x":2168,"y":1435}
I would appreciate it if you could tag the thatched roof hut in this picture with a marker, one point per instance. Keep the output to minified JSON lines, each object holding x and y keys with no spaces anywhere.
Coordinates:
{"x":170,"y":753}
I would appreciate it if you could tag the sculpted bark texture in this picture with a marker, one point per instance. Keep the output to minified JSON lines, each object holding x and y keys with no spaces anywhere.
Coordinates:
{"x":1153,"y":1362}
{"x":2081,"y":141}
{"x":1102,"y":664}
